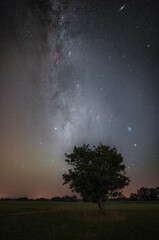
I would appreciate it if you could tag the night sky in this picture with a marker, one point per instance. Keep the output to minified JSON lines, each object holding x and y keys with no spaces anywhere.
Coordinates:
{"x":75,"y":72}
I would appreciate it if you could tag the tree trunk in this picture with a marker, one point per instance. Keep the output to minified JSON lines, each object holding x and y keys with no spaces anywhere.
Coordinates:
{"x":101,"y":205}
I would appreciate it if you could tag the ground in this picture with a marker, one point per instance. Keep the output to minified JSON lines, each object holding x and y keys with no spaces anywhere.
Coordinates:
{"x":72,"y":221}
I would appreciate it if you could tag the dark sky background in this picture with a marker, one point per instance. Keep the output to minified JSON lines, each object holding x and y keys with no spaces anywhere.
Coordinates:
{"x":74,"y":72}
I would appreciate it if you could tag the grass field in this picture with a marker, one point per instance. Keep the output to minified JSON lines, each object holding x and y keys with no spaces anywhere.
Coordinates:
{"x":78,"y":221}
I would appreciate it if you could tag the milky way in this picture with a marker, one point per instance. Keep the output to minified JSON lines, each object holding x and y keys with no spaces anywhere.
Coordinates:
{"x":75,"y":72}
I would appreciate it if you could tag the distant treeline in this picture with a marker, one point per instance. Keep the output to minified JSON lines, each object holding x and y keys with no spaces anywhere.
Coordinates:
{"x":145,"y":194}
{"x":54,"y":199}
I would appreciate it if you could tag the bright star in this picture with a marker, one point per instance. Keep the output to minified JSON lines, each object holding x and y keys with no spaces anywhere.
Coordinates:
{"x":129,"y":129}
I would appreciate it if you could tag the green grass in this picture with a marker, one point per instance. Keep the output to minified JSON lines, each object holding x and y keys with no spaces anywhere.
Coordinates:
{"x":78,"y":221}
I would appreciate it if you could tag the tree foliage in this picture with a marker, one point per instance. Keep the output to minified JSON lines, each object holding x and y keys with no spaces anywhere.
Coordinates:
{"x":146,"y":194}
{"x":96,"y":173}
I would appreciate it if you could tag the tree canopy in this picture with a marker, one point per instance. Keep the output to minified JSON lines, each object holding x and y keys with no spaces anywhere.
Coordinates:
{"x":146,"y":194}
{"x":96,"y":172}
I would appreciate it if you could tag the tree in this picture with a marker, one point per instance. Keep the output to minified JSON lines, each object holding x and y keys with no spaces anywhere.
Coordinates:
{"x":133,"y":197}
{"x":157,"y":193}
{"x":148,"y":194}
{"x":96,"y":173}
{"x":143,"y":194}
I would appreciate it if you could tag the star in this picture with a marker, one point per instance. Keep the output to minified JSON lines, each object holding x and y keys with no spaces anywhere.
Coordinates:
{"x":129,"y":129}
